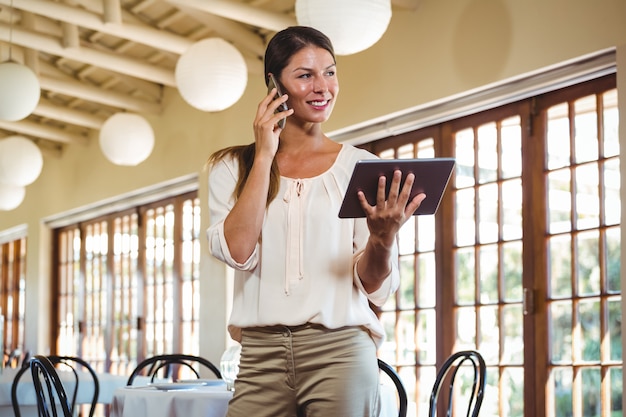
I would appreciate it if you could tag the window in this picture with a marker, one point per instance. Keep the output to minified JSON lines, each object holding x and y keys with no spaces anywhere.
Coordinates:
{"x":521,"y":261}
{"x":128,"y":284}
{"x":12,"y":294}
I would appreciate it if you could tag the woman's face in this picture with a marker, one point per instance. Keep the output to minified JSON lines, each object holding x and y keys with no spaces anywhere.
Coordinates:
{"x":310,"y":80}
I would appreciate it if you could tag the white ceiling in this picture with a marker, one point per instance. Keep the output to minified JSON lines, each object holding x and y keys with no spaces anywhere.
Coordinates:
{"x":95,"y":58}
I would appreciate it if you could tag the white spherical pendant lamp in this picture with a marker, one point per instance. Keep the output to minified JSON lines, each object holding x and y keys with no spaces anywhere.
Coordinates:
{"x":126,"y":139}
{"x":19,"y":91}
{"x":11,"y":196}
{"x":20,"y":161}
{"x":211,"y":75}
{"x":351,"y":25}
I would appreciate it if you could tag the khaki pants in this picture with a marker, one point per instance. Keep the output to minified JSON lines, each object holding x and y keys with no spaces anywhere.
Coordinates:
{"x":306,"y":371}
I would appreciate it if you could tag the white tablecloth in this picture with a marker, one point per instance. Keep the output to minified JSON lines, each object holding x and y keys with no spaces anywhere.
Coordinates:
{"x":26,"y":391}
{"x":201,"y":401}
{"x":148,"y":401}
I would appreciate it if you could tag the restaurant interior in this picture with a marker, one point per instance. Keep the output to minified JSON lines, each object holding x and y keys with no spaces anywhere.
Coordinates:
{"x":127,"y":113}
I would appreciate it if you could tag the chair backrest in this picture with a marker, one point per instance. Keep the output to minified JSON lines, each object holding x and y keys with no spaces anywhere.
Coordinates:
{"x":16,"y":380}
{"x":161,"y":366}
{"x":395,"y":378}
{"x":75,"y":365}
{"x":48,"y":389}
{"x":467,"y":359}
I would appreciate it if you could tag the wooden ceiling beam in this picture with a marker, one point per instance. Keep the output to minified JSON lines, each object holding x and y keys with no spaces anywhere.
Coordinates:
{"x":240,"y":12}
{"x":67,"y":115}
{"x":98,"y":95}
{"x":108,"y":60}
{"x":30,"y":128}
{"x":145,"y":35}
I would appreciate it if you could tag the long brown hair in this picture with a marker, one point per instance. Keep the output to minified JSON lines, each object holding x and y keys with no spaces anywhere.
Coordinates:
{"x":278,"y":54}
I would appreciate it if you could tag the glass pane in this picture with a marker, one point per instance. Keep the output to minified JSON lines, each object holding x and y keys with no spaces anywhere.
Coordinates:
{"x":489,"y":333}
{"x":406,"y":151}
{"x":464,"y":152}
{"x":513,"y":379}
{"x":512,"y":271}
{"x":487,"y":153}
{"x":511,"y":143}
{"x":591,"y":384}
{"x":513,"y":335}
{"x":405,"y":334}
{"x":586,"y":128}
{"x":612,"y":185}
{"x":465,"y":268}
{"x":427,"y":280}
{"x":588,"y":263}
{"x":511,"y":209}
{"x":558,"y":137}
{"x":587,"y":198}
{"x":561,"y":332}
{"x":426,"y":236}
{"x":426,"y":377}
{"x":426,"y":337}
{"x":559,"y":201}
{"x":426,"y":148}
{"x":406,"y":237}
{"x":560,"y":255}
{"x":466,"y":327}
{"x":465,"y":217}
{"x":616,"y":390}
{"x":406,"y":291}
{"x":611,"y":123}
{"x":589,"y":316}
{"x":388,"y":350}
{"x":615,"y":329}
{"x":613,"y":259}
{"x":488,"y":258}
{"x":563,"y":401}
{"x":488,"y":213}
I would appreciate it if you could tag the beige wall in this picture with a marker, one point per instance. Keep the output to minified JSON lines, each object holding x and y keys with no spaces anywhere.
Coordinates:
{"x":443,"y":48}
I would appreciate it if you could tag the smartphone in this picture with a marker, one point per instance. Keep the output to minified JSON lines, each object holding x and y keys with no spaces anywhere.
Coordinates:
{"x":283,"y":107}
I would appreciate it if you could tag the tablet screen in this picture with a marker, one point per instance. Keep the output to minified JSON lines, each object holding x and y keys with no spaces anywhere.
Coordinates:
{"x":431,"y":177}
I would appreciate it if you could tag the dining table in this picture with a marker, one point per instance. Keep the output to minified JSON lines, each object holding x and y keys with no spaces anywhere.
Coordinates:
{"x":108,"y":383}
{"x":202,"y":398}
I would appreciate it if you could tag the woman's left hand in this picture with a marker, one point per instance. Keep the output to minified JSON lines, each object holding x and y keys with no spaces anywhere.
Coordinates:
{"x":389,"y":214}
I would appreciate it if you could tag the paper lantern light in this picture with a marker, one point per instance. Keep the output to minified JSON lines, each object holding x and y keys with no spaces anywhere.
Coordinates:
{"x":126,"y":139}
{"x":20,"y":161}
{"x":11,"y":196}
{"x":19,"y":91}
{"x":211,"y":75}
{"x":351,"y":25}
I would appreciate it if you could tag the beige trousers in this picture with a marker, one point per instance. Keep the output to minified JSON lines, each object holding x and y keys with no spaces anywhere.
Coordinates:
{"x":306,"y":371}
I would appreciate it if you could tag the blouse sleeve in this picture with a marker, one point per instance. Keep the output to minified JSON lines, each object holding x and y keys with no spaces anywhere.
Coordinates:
{"x":222,"y":181}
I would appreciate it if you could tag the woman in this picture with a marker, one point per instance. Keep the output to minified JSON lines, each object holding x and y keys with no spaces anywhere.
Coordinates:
{"x":303,"y":276}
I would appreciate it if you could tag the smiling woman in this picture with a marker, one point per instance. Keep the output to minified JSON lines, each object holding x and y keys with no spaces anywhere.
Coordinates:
{"x":278,"y":199}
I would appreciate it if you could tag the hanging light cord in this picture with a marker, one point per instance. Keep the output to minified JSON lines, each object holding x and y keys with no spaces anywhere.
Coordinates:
{"x":11,"y":32}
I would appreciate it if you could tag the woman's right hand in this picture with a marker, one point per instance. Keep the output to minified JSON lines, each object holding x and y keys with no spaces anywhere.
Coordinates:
{"x":266,"y":129}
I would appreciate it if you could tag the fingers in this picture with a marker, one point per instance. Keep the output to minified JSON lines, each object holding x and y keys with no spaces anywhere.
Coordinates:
{"x":396,"y":201}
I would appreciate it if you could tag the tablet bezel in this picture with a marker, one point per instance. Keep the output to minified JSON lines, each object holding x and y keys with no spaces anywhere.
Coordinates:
{"x":431,"y":177}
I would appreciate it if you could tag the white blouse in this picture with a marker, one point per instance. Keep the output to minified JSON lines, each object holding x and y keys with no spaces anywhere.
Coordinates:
{"x":303,"y":269}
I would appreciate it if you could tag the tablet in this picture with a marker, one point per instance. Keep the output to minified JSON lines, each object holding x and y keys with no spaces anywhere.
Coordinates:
{"x":431,"y":177}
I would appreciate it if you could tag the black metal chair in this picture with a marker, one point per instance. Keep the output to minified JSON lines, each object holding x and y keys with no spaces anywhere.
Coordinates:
{"x":467,"y":360}
{"x":73,"y":365}
{"x":395,"y":378}
{"x":49,"y":389}
{"x":168,"y":366}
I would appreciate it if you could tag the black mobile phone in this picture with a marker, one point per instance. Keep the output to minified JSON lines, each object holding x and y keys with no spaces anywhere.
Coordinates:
{"x":283,"y":107}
